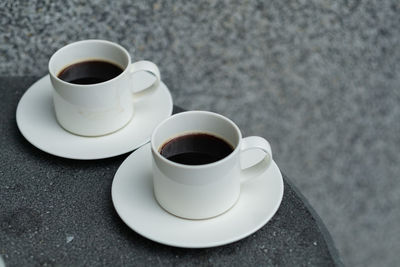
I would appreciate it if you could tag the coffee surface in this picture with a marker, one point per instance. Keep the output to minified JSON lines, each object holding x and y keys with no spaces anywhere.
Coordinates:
{"x":90,"y":72}
{"x":196,"y":149}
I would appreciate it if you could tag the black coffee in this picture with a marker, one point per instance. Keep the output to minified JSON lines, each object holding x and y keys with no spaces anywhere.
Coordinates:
{"x":196,"y":149}
{"x":90,"y":72}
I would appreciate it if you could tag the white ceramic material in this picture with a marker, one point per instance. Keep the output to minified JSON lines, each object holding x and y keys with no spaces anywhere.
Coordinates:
{"x":203,"y":191}
{"x":101,"y":108}
{"x":37,"y":123}
{"x":133,"y":199}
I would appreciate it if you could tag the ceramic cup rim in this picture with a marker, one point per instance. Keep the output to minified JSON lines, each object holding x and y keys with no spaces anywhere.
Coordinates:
{"x":68,"y":46}
{"x":196,"y":167}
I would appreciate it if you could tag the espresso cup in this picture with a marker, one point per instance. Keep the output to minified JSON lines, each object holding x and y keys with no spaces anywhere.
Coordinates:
{"x":96,"y":108}
{"x":208,"y":189}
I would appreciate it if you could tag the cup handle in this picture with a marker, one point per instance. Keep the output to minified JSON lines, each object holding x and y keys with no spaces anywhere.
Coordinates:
{"x":256,"y":142}
{"x":148,"y":66}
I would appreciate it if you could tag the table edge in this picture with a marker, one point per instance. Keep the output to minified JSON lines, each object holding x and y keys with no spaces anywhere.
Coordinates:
{"x":321,"y":225}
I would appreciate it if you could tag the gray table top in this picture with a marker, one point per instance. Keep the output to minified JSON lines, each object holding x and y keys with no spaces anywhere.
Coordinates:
{"x":50,"y":215}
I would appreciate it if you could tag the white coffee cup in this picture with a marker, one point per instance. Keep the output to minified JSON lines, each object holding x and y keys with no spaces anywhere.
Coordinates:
{"x":208,"y":190}
{"x":99,"y":108}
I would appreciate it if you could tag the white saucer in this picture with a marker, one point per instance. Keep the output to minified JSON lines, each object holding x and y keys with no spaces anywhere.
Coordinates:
{"x":37,"y":122}
{"x":132,"y":195}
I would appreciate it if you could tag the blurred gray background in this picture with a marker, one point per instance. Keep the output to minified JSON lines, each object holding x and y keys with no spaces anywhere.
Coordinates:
{"x":319,"y":79}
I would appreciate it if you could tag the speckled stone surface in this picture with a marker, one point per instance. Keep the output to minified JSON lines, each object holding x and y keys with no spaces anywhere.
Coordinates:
{"x":58,"y":212}
{"x":319,"y":79}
